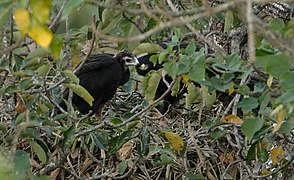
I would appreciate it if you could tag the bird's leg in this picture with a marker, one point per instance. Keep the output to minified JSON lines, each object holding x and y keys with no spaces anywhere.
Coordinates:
{"x":99,"y":111}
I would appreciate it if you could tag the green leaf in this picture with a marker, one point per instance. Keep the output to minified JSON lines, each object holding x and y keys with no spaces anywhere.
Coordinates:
{"x":192,"y":176}
{"x":117,"y":142}
{"x":42,"y":70}
{"x":5,"y":11}
{"x":176,"y":88}
{"x":38,"y":53}
{"x":152,"y":86}
{"x":274,"y":67}
{"x":287,"y":80}
{"x":147,"y":48}
{"x":162,"y":57}
{"x":71,"y":76}
{"x":171,"y":68}
{"x":143,"y":144}
{"x":230,"y":63}
{"x":122,"y":167}
{"x":192,"y":95}
{"x":39,"y":151}
{"x":208,"y":98}
{"x":56,"y":46}
{"x":197,"y":71}
{"x":250,"y":126}
{"x":164,"y":159}
{"x":287,"y":126}
{"x":21,"y":164}
{"x":191,"y":48}
{"x":276,"y":24}
{"x":41,"y":9}
{"x":82,"y":92}
{"x":247,"y":104}
{"x":262,"y":153}
{"x":217,"y":134}
{"x":69,"y":134}
{"x":229,"y":21}
{"x":69,"y":6}
{"x":100,"y":138}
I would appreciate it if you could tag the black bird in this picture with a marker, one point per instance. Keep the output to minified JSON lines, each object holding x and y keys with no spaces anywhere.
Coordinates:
{"x":146,"y":66}
{"x":101,"y":75}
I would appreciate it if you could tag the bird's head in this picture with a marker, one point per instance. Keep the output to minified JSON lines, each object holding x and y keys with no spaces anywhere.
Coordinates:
{"x":127,"y":58}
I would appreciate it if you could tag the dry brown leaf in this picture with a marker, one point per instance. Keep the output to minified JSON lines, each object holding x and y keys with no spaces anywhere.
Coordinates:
{"x":227,"y":158}
{"x":125,"y":152}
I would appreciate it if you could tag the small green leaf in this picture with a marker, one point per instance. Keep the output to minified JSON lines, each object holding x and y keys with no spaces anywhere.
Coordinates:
{"x":152,"y":86}
{"x":176,"y":88}
{"x":250,"y":126}
{"x":42,"y":70}
{"x":164,"y":159}
{"x":82,"y":92}
{"x":217,"y":134}
{"x":39,"y":151}
{"x":262,"y":153}
{"x":117,"y":142}
{"x":100,"y":138}
{"x":171,"y":68}
{"x":192,"y":176}
{"x":191,"y":48}
{"x":208,"y":98}
{"x":192,"y":95}
{"x":143,"y":144}
{"x":71,"y":76}
{"x":162,"y":57}
{"x":197,"y":71}
{"x":147,"y":48}
{"x":229,"y":21}
{"x":122,"y":167}
{"x":55,"y":46}
{"x":247,"y":104}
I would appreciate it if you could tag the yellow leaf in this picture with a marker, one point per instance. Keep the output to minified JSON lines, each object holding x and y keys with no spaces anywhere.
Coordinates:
{"x":185,"y":78}
{"x":22,"y":19}
{"x":232,"y":119}
{"x":277,"y":155}
{"x":264,"y":172}
{"x":281,"y":115}
{"x":41,"y":9}
{"x":231,"y":90}
{"x":269,"y":81}
{"x":41,"y":34}
{"x":175,"y":140}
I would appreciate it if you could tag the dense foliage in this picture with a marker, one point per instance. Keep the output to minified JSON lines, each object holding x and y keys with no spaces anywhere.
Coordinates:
{"x":233,"y":77}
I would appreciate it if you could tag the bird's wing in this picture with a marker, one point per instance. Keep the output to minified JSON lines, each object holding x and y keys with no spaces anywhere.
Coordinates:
{"x":96,"y":63}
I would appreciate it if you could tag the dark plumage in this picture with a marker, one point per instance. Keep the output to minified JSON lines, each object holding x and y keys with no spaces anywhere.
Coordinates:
{"x":101,"y":75}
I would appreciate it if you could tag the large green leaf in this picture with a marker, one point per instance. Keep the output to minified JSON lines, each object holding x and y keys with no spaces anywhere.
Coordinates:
{"x":251,"y":126}
{"x":39,"y":151}
{"x":82,"y":92}
{"x":276,"y":65}
{"x":171,"y":68}
{"x":21,"y":164}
